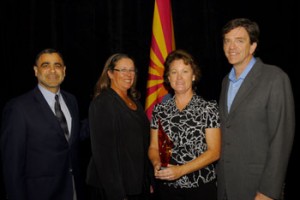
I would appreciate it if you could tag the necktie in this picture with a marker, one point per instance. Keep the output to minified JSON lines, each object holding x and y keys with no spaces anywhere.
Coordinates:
{"x":61,"y":117}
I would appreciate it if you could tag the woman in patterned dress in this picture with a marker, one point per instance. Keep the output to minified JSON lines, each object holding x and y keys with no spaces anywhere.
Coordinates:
{"x":185,"y":135}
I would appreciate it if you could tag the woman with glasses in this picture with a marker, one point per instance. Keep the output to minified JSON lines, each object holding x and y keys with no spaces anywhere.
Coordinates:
{"x":119,"y":129}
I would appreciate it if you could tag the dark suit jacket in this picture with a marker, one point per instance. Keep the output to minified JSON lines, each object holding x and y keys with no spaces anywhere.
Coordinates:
{"x":257,"y":134}
{"x":37,"y":159}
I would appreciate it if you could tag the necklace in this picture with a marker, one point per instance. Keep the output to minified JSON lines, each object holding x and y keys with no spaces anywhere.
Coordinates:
{"x":126,"y":99}
{"x":129,"y":103}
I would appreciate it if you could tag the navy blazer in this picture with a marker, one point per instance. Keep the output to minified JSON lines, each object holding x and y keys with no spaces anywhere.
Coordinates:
{"x":38,"y":162}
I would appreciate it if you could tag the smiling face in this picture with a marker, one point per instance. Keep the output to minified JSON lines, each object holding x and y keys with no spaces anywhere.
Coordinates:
{"x":50,"y":71}
{"x":237,"y":47}
{"x":181,"y":76}
{"x":123,"y":75}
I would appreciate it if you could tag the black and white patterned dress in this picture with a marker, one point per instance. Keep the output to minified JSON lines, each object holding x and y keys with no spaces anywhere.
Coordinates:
{"x":186,"y":131}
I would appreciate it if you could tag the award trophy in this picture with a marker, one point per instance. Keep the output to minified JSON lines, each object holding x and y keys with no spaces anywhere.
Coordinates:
{"x":165,"y":146}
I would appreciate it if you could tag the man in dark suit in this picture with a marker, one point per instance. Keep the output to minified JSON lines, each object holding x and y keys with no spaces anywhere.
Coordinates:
{"x":257,"y":120}
{"x":39,"y":158}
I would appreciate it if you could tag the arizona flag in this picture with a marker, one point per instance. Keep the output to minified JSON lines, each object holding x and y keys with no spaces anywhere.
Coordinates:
{"x":162,"y":43}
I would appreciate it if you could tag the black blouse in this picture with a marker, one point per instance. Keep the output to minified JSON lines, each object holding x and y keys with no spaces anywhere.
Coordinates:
{"x":119,"y":141}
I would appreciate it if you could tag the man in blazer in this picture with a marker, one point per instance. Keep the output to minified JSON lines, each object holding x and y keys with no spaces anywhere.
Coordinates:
{"x":39,"y":160}
{"x":257,"y":120}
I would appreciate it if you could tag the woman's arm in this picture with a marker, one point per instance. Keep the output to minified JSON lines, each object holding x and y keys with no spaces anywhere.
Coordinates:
{"x":213,"y":139}
{"x":153,"y":151}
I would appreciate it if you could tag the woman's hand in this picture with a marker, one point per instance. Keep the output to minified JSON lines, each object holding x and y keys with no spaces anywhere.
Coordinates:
{"x":170,"y":173}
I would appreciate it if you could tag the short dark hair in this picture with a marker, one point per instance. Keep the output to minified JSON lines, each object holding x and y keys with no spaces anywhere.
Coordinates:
{"x":47,"y":51}
{"x":251,"y":27}
{"x":187,"y":58}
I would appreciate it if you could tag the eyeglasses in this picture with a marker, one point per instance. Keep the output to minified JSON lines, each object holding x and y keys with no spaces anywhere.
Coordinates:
{"x":123,"y":71}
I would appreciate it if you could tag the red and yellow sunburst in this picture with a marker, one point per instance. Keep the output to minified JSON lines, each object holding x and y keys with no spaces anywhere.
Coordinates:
{"x":162,"y":43}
